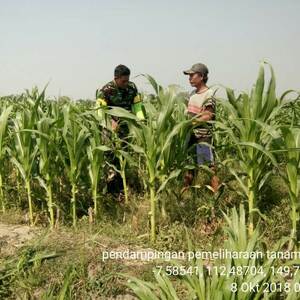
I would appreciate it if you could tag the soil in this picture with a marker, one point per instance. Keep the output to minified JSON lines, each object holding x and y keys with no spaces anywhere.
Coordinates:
{"x":13,"y":237}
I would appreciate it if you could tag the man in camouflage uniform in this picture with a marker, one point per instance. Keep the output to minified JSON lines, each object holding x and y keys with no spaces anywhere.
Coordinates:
{"x":123,"y":93}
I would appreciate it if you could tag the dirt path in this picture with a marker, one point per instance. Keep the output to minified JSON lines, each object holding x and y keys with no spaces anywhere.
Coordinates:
{"x":14,"y":236}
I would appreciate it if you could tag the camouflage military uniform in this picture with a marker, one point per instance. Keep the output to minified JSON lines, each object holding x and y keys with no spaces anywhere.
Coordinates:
{"x":114,"y":96}
{"x":111,"y":95}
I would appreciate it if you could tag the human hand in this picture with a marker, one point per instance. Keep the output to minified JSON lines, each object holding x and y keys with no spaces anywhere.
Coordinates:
{"x":114,"y":125}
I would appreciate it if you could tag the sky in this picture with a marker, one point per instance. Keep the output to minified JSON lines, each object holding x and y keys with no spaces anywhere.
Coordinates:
{"x":75,"y":45}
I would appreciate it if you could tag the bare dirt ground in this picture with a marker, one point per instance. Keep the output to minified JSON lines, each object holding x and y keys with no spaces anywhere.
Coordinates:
{"x":13,"y":237}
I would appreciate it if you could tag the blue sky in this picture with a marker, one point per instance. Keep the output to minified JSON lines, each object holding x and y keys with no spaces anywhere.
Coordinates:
{"x":76,"y":44}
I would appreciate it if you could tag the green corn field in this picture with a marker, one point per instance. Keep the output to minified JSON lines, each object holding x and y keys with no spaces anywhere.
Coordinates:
{"x":56,"y":155}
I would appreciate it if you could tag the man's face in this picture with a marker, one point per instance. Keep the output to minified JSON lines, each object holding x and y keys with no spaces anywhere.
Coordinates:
{"x":195,"y":79}
{"x":122,"y":81}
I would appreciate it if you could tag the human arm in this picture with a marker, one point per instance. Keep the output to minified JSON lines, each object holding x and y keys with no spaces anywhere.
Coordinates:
{"x":104,"y":95}
{"x":137,"y":108}
{"x":137,"y":105}
{"x":207,"y":114}
{"x":208,"y":110}
{"x":104,"y":99}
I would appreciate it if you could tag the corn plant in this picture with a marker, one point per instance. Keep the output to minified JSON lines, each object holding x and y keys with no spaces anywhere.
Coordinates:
{"x":75,"y":136}
{"x":117,"y":144}
{"x":293,"y":293}
{"x":96,"y":161}
{"x":3,"y":131}
{"x":161,"y":141}
{"x":251,"y":129}
{"x":289,"y":145}
{"x":175,"y":154}
{"x":206,"y":282}
{"x":290,"y":112}
{"x":46,"y":144}
{"x":25,"y":152}
{"x":215,"y":285}
{"x":123,"y":155}
{"x":163,"y":289}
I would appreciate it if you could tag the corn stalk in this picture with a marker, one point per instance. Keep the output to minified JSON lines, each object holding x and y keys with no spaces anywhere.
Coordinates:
{"x":75,"y":136}
{"x":3,"y":131}
{"x":161,"y":142}
{"x":251,"y":129}
{"x":290,"y":145}
{"x":208,"y":282}
{"x":96,"y":161}
{"x":46,"y":142}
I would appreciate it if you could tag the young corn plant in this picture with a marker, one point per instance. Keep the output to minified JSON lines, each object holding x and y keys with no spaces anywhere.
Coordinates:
{"x":251,"y":129}
{"x":290,"y":144}
{"x":161,"y":141}
{"x":290,"y":113}
{"x":46,"y":144}
{"x":96,"y":161}
{"x":3,"y":144}
{"x":75,"y":136}
{"x":117,"y":144}
{"x":208,"y":280}
{"x":175,"y":154}
{"x":24,"y":153}
{"x":123,"y":155}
